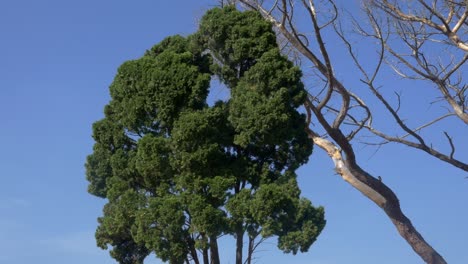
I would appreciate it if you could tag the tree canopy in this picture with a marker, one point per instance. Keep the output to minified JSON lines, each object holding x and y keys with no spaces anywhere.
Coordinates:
{"x":178,"y":171}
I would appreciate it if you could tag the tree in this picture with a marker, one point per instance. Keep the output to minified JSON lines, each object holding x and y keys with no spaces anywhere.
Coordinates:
{"x":179,"y":173}
{"x":413,"y":38}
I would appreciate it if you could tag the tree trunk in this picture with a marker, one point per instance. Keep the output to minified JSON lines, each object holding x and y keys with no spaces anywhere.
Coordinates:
{"x":214,"y":250}
{"x":193,"y":251}
{"x":251,"y":249}
{"x":381,"y":195}
{"x":206,"y":259}
{"x":239,"y":243}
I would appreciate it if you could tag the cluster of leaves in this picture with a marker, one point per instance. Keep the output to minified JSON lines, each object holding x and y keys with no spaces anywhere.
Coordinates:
{"x":177,"y":172}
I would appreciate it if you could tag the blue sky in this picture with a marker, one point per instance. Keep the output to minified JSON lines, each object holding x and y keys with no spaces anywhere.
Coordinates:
{"x":57,"y":59}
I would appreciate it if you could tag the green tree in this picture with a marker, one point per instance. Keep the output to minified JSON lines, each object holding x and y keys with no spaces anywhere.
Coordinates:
{"x":178,"y":173}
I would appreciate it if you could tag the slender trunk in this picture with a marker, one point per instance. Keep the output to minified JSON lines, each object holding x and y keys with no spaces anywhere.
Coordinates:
{"x":251,"y":249}
{"x":214,"y":250}
{"x":206,"y":259}
{"x":193,"y":251}
{"x":239,"y":243}
{"x":239,"y":231}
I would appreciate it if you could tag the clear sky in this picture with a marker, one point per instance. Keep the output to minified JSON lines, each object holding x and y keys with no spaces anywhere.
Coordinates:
{"x":57,"y":59}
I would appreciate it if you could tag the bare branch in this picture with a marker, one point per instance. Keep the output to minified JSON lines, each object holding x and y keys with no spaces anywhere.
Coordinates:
{"x":451,"y":144}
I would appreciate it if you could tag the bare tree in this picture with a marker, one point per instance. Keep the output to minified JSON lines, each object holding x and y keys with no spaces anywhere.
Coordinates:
{"x":421,"y":26}
{"x":423,"y":41}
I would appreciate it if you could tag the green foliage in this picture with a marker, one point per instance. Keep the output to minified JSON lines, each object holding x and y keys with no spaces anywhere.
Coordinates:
{"x":115,"y":230}
{"x":161,"y":227}
{"x":177,"y":172}
{"x":235,"y":39}
{"x":300,"y":232}
{"x":149,"y":93}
